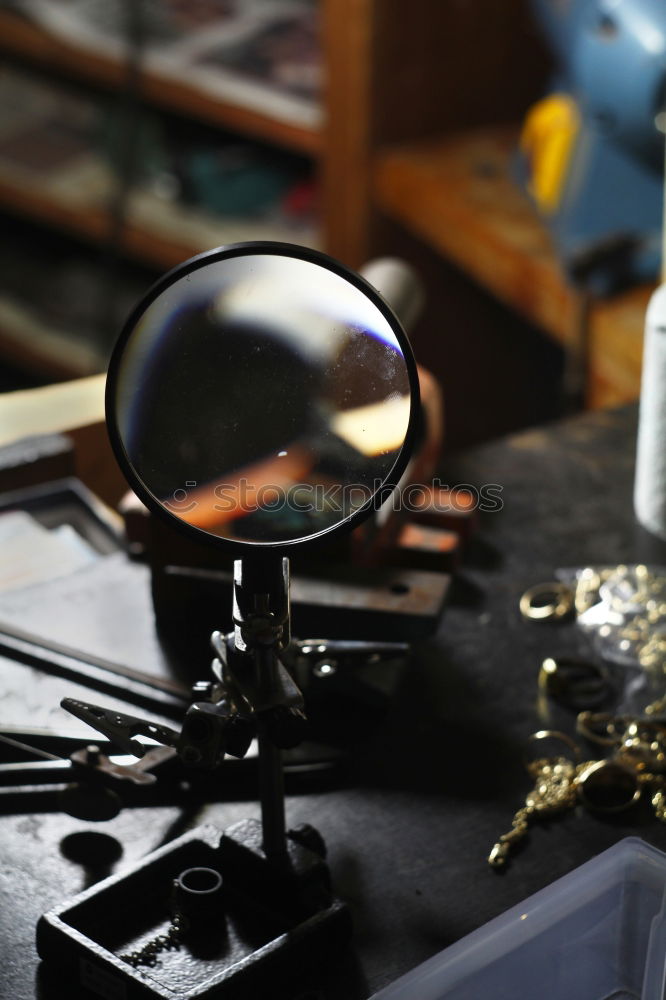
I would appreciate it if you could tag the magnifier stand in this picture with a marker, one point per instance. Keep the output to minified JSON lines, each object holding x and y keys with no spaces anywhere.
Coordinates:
{"x":261,"y":632}
{"x":264,"y":913}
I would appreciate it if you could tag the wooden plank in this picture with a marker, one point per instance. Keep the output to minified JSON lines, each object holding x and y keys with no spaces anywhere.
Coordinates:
{"x":19,"y":37}
{"x":347,"y":135}
{"x":158,"y":246}
{"x":92,"y":222}
{"x":616,"y":348}
{"x":51,"y":409}
{"x":458,"y":194}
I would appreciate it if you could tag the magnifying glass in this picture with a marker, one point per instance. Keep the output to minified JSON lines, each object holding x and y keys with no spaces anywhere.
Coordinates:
{"x":262,"y":396}
{"x":259,"y":398}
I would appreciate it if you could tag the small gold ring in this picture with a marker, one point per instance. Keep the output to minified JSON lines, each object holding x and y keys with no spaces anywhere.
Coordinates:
{"x":547,"y":602}
{"x":607,"y":786}
{"x":600,"y":727}
{"x":579,"y":684}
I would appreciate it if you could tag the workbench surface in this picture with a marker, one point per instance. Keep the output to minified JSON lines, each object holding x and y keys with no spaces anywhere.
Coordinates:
{"x":409,"y":828}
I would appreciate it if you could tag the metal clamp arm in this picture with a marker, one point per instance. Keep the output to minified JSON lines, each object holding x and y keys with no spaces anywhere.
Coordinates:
{"x":120,"y":729}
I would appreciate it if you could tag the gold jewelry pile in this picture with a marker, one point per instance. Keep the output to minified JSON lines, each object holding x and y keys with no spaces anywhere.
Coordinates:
{"x":625,"y":607}
{"x":637,"y":764}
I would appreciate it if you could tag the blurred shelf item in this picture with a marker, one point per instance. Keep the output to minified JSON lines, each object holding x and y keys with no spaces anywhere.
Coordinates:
{"x":188,"y":76}
{"x":189,"y":231}
{"x":458,"y":195}
{"x":155,"y":232}
{"x":56,"y":149}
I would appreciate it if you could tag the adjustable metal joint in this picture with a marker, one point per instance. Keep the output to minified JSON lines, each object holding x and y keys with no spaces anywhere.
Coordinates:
{"x":211,"y":730}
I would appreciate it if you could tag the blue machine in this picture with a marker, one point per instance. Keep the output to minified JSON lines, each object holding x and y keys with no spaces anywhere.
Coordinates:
{"x":605,"y":204}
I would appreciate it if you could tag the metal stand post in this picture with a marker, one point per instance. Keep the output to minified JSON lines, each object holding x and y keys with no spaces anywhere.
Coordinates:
{"x":271,"y":795}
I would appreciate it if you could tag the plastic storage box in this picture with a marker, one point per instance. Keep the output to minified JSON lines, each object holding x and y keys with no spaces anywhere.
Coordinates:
{"x":598,"y":933}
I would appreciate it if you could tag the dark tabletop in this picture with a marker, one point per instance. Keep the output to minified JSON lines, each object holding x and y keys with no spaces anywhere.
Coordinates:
{"x":409,"y":829}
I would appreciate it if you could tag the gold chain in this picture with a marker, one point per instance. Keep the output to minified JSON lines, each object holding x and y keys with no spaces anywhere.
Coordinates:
{"x":163,"y":942}
{"x":554,"y":791}
{"x":558,"y":782}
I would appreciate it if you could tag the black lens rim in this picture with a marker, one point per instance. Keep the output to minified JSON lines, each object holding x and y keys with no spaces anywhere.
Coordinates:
{"x":264,"y":247}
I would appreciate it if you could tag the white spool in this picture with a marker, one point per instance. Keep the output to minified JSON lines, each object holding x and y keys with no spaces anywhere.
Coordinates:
{"x":650,"y":480}
{"x":400,"y":285}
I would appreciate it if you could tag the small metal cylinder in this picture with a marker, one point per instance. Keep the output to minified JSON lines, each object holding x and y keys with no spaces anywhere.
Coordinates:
{"x":198,"y":893}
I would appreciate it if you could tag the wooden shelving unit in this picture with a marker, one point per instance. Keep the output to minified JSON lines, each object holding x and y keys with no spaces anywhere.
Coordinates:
{"x":392,"y":76}
{"x":388,"y":78}
{"x":458,"y":194}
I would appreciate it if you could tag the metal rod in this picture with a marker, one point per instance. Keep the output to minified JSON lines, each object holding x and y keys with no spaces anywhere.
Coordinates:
{"x":261,"y":618}
{"x":28,"y":749}
{"x":271,"y":796}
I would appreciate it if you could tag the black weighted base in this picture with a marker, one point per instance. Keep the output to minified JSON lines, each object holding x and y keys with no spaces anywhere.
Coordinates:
{"x":269,"y":923}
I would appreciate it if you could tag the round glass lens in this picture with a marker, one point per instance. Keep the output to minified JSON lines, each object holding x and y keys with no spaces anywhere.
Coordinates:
{"x":261,"y":398}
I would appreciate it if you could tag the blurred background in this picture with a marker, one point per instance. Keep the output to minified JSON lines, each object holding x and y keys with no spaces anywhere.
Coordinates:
{"x":136,"y":133}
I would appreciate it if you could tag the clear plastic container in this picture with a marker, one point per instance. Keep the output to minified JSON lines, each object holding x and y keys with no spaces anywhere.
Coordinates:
{"x":598,"y":933}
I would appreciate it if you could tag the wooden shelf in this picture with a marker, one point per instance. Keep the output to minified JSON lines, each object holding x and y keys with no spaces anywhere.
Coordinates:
{"x":30,"y":343}
{"x":161,"y":247}
{"x":458,"y":195}
{"x":20,"y":38}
